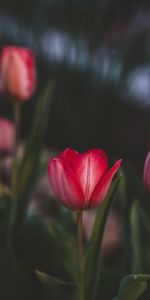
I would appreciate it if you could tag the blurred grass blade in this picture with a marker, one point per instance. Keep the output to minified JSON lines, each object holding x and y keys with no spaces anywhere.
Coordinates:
{"x":132,"y":287}
{"x":93,"y":253}
{"x":138,"y":251}
{"x":28,"y":170}
{"x":54,"y":287}
{"x":48,"y":280}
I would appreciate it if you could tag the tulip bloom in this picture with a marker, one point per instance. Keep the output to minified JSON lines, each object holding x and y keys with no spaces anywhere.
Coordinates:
{"x":81,"y":181}
{"x":146,"y":174}
{"x":7,"y":135}
{"x":17,"y":72}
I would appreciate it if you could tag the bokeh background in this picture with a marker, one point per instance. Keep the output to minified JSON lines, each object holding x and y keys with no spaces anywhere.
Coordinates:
{"x":98,"y":54}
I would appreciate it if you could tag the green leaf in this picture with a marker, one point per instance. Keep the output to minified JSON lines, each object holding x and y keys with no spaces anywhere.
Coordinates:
{"x":55,"y":287}
{"x":132,"y":286}
{"x":92,"y":259}
{"x":48,"y":280}
{"x":138,"y":252}
{"x":28,"y":170}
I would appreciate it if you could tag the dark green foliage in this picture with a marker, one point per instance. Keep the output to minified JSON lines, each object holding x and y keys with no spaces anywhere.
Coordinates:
{"x":28,"y":170}
{"x":92,"y":260}
{"x":132,"y":287}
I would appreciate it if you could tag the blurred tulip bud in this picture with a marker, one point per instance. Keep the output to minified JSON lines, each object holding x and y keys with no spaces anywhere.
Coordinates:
{"x":146,"y":175}
{"x":17,"y":72}
{"x":81,"y":181}
{"x":7,"y":135}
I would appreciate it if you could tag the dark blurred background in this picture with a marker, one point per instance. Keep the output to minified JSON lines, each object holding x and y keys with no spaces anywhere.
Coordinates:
{"x":98,"y":54}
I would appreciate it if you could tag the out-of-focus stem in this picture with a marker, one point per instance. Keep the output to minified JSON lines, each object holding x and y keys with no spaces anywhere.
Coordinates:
{"x":0,"y":174}
{"x":80,"y":254}
{"x":17,"y":113}
{"x":137,"y":247}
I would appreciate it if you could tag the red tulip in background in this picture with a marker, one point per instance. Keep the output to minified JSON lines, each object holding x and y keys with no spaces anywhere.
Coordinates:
{"x":81,"y":181}
{"x":17,"y":72}
{"x":146,"y":175}
{"x":7,"y":135}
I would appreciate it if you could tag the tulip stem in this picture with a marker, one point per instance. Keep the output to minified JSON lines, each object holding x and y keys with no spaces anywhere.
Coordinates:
{"x":80,"y":254}
{"x":137,"y":242}
{"x":14,"y":179}
{"x":17,"y":125}
{"x":1,"y":186}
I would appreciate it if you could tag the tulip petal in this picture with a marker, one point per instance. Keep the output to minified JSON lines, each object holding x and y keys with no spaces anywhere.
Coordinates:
{"x":102,"y":187}
{"x":7,"y":135}
{"x":18,"y":76}
{"x":88,"y":168}
{"x":68,"y":156}
{"x":146,"y":175}
{"x":64,"y":184}
{"x":99,"y":152}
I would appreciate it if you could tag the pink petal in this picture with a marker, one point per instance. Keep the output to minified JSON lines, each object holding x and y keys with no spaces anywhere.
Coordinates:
{"x":68,"y":155}
{"x":64,"y":184}
{"x":102,"y":188}
{"x":88,"y":168}
{"x":7,"y":135}
{"x":99,"y":152}
{"x":146,"y":175}
{"x":18,"y":74}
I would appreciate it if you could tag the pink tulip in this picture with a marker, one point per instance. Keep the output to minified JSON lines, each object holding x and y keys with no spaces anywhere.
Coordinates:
{"x":7,"y":135}
{"x":17,"y":72}
{"x":81,"y":181}
{"x":146,"y":175}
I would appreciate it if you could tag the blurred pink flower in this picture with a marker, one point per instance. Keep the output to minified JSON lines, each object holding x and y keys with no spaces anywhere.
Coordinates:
{"x":17,"y":72}
{"x":81,"y":181}
{"x":7,"y":135}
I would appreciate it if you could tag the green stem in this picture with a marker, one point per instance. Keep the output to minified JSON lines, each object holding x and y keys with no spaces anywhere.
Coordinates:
{"x":137,"y":245}
{"x":13,"y":210}
{"x":17,"y":113}
{"x":0,"y":174}
{"x":80,"y":254}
